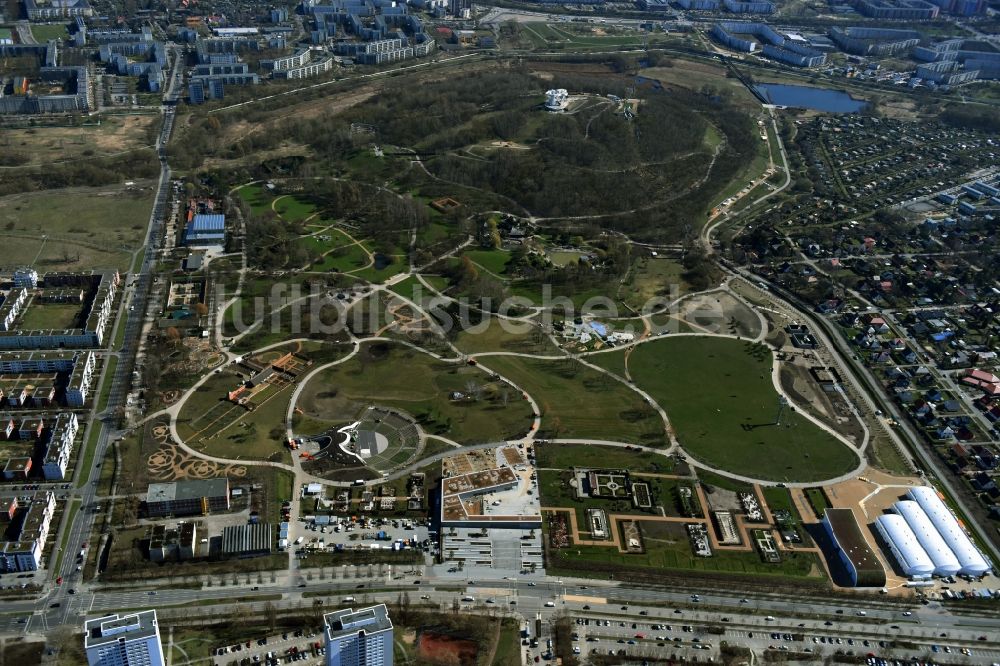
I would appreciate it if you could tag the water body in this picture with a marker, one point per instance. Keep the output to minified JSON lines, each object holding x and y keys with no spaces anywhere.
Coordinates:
{"x":807,"y":97}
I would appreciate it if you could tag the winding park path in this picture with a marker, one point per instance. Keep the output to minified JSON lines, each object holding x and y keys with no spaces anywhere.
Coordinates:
{"x":530,"y":316}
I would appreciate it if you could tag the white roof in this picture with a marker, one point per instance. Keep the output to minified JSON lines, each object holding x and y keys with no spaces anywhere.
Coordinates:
{"x":913,"y":560}
{"x":945,"y":562}
{"x":972,"y":561}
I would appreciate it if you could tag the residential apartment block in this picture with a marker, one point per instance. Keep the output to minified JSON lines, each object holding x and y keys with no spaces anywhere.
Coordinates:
{"x":79,"y":368}
{"x":102,"y":287}
{"x":124,"y":640}
{"x":775,"y":45}
{"x":27,"y":532}
{"x":360,"y":637}
{"x":56,"y":9}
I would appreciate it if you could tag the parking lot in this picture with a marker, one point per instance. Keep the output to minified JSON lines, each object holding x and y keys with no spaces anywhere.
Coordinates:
{"x":344,"y":533}
{"x":298,"y":647}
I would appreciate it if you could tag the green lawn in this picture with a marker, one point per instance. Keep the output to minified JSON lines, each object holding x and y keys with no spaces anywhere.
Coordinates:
{"x":817,"y":500}
{"x":109,"y":373}
{"x":377,"y":275}
{"x":337,"y":238}
{"x":508,"y":652}
{"x":71,"y":510}
{"x":580,"y":402}
{"x":43,"y":316}
{"x":46,"y":31}
{"x":722,"y":405}
{"x":391,"y":375}
{"x":86,"y":459}
{"x":343,"y":259}
{"x":259,"y":200}
{"x":293,"y":209}
{"x":495,"y":261}
{"x":565,"y":456}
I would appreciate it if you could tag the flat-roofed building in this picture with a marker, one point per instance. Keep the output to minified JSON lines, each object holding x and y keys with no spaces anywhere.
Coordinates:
{"x":186,"y":498}
{"x":362,"y":637}
{"x":850,"y":548}
{"x":124,"y":640}
{"x":252,"y":540}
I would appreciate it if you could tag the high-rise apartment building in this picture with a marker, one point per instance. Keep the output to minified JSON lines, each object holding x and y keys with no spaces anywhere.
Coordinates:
{"x":132,"y":639}
{"x":360,"y":637}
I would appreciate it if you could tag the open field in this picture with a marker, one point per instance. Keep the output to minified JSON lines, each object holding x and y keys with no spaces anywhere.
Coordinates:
{"x":109,"y":136}
{"x":579,"y":402}
{"x":389,"y":375}
{"x":497,"y":335}
{"x":494,"y":261}
{"x":653,"y":277}
{"x":43,"y":32}
{"x":565,"y":456}
{"x":75,"y":229}
{"x":729,"y":422}
{"x":211,"y":424}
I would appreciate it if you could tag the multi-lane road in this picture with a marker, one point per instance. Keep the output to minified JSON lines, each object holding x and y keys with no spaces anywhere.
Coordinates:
{"x":53,"y":608}
{"x":914,"y":628}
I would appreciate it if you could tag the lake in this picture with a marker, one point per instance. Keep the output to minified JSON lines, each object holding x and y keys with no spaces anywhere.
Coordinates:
{"x":806,"y":97}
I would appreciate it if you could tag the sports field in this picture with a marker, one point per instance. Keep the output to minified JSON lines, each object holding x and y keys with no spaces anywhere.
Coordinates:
{"x":722,"y":405}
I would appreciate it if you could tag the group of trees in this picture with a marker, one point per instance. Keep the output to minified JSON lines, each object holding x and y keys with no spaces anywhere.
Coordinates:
{"x":90,"y":172}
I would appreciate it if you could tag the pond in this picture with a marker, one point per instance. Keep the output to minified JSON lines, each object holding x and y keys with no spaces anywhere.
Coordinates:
{"x":806,"y":97}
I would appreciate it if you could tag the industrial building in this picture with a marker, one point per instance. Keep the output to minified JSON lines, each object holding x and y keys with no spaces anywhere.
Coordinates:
{"x":969,"y":557}
{"x":851,"y":549}
{"x":124,"y":640}
{"x":206,"y":229}
{"x":902,"y":542}
{"x":945,"y":562}
{"x":362,"y":637}
{"x":251,"y":540}
{"x":186,"y":498}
